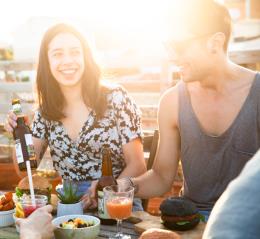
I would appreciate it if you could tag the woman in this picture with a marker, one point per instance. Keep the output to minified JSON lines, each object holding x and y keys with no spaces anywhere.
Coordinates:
{"x":78,"y":116}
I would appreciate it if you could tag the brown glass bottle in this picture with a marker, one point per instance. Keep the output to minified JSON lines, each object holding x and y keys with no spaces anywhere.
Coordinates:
{"x":23,"y":139}
{"x":106,"y":179}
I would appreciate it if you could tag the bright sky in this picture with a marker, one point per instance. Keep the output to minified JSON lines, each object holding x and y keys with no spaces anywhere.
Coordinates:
{"x":124,"y":24}
{"x":121,"y":14}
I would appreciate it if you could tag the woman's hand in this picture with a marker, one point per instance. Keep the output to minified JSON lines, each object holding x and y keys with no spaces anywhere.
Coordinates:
{"x":89,"y":199}
{"x":11,"y":121}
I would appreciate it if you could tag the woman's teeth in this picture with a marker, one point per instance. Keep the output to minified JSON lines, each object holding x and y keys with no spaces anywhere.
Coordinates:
{"x":68,"y":72}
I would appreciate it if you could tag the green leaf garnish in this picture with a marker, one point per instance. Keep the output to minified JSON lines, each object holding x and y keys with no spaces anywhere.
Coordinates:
{"x":18,"y":192}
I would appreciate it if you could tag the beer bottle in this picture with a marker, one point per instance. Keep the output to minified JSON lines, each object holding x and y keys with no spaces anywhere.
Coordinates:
{"x":23,"y":139}
{"x":106,"y":179}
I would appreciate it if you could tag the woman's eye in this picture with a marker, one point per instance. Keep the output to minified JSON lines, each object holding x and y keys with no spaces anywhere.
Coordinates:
{"x":57,"y":54}
{"x":75,"y":52}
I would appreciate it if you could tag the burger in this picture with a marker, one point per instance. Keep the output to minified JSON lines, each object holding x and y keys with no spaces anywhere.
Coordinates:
{"x":41,"y":186}
{"x":178,"y":213}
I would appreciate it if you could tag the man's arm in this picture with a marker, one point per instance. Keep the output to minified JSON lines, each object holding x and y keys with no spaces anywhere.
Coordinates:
{"x":159,"y":179}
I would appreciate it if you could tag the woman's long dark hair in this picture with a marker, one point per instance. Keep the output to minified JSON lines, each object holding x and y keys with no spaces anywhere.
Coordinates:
{"x":50,"y":97}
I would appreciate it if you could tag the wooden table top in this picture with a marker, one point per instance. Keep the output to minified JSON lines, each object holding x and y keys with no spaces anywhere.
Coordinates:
{"x":139,"y":222}
{"x":105,"y":231}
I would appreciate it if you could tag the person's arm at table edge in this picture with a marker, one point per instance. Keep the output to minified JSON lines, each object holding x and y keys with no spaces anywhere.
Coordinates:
{"x":134,"y":159}
{"x":162,"y":174}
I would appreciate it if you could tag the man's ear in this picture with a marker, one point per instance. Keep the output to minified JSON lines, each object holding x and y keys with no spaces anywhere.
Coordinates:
{"x":216,"y":42}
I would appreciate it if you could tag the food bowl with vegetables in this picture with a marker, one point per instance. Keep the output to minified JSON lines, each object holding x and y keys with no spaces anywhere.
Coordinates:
{"x":76,"y":227}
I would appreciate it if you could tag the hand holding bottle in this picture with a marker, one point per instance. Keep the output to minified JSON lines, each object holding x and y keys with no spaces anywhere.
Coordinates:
{"x":16,"y":123}
{"x":11,"y":121}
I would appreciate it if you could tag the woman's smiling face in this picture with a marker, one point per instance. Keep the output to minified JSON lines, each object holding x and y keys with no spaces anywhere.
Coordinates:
{"x":66,"y":59}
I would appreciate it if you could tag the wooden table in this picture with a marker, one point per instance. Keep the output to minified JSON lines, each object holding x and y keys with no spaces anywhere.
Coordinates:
{"x":139,"y":222}
{"x":147,"y":221}
{"x":105,"y":232}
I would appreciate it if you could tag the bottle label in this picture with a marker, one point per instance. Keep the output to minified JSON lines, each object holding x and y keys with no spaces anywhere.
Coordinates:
{"x":102,"y":209}
{"x":18,"y":151}
{"x":17,"y":109}
{"x":29,"y":145}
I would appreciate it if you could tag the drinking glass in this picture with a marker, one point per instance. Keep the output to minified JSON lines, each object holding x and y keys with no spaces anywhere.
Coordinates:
{"x":27,"y":204}
{"x":119,"y":203}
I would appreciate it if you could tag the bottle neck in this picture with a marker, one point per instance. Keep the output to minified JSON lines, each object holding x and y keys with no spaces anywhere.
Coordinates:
{"x":107,"y":166}
{"x":17,"y":108}
{"x":20,"y":120}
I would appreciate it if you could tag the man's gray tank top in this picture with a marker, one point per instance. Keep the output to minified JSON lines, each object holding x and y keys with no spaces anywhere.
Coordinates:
{"x":210,"y":163}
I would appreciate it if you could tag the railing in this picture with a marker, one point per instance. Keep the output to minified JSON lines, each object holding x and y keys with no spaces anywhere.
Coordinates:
{"x":25,"y":65}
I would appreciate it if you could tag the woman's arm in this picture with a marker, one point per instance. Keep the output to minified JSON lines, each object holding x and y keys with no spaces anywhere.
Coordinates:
{"x":134,"y":159}
{"x":135,"y":166}
{"x":128,"y":119}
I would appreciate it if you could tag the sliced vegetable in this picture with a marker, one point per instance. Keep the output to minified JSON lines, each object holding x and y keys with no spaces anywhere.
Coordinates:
{"x":76,"y":223}
{"x":182,"y":223}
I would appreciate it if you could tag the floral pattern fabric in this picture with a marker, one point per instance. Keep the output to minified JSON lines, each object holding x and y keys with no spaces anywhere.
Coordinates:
{"x":81,"y":159}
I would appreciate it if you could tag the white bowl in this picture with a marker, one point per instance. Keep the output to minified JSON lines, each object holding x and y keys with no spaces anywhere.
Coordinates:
{"x":16,"y":226}
{"x":79,"y":233}
{"x":68,"y":209}
{"x":6,"y":218}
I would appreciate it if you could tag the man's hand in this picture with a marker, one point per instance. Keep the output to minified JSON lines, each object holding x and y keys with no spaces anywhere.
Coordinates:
{"x":124,"y":183}
{"x":38,"y":225}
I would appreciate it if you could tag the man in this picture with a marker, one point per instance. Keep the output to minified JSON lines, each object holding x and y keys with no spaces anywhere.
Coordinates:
{"x":38,"y":225}
{"x":237,"y":212}
{"x":211,"y":118}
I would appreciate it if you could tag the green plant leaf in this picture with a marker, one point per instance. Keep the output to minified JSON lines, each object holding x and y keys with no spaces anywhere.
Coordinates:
{"x":69,"y":194}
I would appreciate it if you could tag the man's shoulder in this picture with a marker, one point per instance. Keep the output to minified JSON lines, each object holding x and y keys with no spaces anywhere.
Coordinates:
{"x":171,"y":93}
{"x":168,"y":106}
{"x":170,"y":96}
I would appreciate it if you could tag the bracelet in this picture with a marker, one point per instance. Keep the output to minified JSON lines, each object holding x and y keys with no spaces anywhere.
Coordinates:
{"x":135,"y":186}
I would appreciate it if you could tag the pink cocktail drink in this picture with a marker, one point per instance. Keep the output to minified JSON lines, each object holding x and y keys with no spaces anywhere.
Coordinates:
{"x":28,"y":210}
{"x":29,"y":207}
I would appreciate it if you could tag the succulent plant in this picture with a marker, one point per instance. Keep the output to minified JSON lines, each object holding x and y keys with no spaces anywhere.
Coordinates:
{"x":69,"y":195}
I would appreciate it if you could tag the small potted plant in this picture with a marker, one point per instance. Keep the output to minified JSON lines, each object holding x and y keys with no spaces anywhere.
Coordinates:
{"x":69,"y":199}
